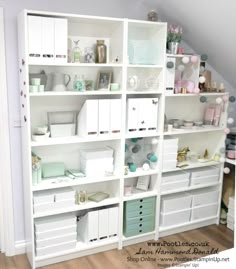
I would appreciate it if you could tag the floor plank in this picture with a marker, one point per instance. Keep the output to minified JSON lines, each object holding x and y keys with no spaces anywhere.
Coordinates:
{"x":217,"y":236}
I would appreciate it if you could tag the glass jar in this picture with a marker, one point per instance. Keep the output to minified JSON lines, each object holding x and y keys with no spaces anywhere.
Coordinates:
{"x":101,"y":52}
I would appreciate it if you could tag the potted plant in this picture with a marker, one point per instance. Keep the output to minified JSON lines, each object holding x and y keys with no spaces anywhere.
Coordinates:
{"x":174,"y":37}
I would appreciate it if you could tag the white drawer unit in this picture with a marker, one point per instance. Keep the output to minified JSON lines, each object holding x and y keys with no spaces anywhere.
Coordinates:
{"x":174,"y":185}
{"x":204,"y":197}
{"x":176,"y":202}
{"x":205,"y":211}
{"x":56,"y":232}
{"x":42,"y":207}
{"x":55,"y":248}
{"x":205,"y":172}
{"x":175,"y":218}
{"x":63,"y":238}
{"x":175,"y":176}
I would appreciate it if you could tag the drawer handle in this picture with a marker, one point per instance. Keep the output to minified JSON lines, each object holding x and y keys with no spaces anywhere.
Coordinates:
{"x":141,"y":206}
{"x":140,"y":231}
{"x":140,"y":213}
{"x":140,"y":225}
{"x":141,"y":200}
{"x":141,"y":219}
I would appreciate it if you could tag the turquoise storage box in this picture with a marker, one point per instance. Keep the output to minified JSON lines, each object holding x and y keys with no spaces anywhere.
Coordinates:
{"x":53,"y":169}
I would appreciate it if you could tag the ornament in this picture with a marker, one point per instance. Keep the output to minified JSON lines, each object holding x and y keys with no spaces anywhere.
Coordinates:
{"x":227,"y":141}
{"x":185,"y":60}
{"x":181,"y":68}
{"x":226,"y":130}
{"x":154,"y":141}
{"x":194,"y":59}
{"x":196,"y":90}
{"x":202,"y":69}
{"x":203,"y":99}
{"x":226,"y":170}
{"x":146,"y":166}
{"x":169,"y":65}
{"x":202,"y":79}
{"x":230,"y":120}
{"x":132,"y":167}
{"x":225,"y":98}
{"x":134,"y":140}
{"x":219,"y":100}
{"x":204,"y":57}
{"x":232,"y":99}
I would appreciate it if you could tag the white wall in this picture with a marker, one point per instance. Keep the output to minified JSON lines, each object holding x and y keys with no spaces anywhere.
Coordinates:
{"x":135,"y":9}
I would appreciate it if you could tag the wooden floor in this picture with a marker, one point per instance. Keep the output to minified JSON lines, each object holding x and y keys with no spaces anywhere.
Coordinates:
{"x":219,"y":237}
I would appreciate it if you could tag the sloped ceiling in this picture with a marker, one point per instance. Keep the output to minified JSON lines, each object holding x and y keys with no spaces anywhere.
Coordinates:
{"x":209,"y":27}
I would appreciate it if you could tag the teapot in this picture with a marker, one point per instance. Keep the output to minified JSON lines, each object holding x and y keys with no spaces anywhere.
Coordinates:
{"x":60,"y":81}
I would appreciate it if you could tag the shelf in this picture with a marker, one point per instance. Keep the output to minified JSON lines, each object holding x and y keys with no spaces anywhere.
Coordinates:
{"x":62,"y":182}
{"x":140,"y":172}
{"x":79,"y":65}
{"x":141,"y":194}
{"x":180,"y":55}
{"x":88,"y":205}
{"x":138,"y":236}
{"x":190,"y":188}
{"x":74,"y":93}
{"x":72,"y":140}
{"x":80,"y":246}
{"x":146,"y":92}
{"x":162,"y":229}
{"x":231,"y":161}
{"x":193,"y":131}
{"x":145,"y":66}
{"x":140,"y":135}
{"x":192,"y":165}
{"x":199,"y":94}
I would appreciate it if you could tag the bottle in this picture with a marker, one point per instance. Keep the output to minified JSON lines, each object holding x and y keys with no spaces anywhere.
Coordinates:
{"x":101,"y":52}
{"x":76,"y":52}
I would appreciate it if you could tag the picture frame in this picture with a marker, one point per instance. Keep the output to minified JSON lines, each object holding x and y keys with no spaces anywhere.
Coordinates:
{"x":104,"y":80}
{"x":143,"y":183}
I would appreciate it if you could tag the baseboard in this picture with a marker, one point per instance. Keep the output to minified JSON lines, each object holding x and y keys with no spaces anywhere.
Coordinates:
{"x":20,"y":247}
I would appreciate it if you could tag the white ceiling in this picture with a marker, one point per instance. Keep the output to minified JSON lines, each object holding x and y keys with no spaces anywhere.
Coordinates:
{"x":209,"y":27}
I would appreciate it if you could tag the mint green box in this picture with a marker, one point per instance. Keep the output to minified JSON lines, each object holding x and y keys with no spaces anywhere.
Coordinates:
{"x":53,"y":169}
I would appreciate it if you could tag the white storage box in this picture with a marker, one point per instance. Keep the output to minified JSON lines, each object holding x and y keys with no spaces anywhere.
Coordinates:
{"x":43,"y":197}
{"x":174,"y":185}
{"x":54,"y":222}
{"x":176,"y":202}
{"x":62,"y":130}
{"x":204,"y":180}
{"x":55,"y":232}
{"x":98,"y":153}
{"x":39,"y":208}
{"x":177,"y":217}
{"x":203,"y":212}
{"x":170,"y":142}
{"x":55,"y":248}
{"x":204,"y":172}
{"x":203,"y":197}
{"x":56,"y":240}
{"x":170,"y":156}
{"x":64,"y":194}
{"x":170,"y":149}
{"x":168,"y":165}
{"x":175,"y":176}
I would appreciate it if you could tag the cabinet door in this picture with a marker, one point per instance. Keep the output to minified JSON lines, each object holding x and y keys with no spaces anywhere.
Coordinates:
{"x":48,"y":40}
{"x":132,"y":115}
{"x":35,"y":39}
{"x":60,"y":40}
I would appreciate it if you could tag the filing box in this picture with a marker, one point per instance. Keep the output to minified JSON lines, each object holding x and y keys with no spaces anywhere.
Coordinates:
{"x":103,"y":117}
{"x":175,"y":202}
{"x":139,"y":216}
{"x":113,"y":215}
{"x":115,"y":116}
{"x":204,"y":197}
{"x":205,"y":211}
{"x":175,"y":217}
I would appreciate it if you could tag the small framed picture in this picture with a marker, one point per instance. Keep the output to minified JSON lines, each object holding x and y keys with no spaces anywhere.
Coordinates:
{"x":104,"y":80}
{"x":143,"y":183}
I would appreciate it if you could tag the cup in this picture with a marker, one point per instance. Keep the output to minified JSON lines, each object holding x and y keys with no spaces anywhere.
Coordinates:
{"x":33,"y":88}
{"x":35,"y":81}
{"x":41,"y":88}
{"x":115,"y":86}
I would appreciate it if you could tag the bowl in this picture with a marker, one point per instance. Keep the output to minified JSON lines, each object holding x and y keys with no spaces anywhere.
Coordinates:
{"x":40,"y":130}
{"x":39,"y":138}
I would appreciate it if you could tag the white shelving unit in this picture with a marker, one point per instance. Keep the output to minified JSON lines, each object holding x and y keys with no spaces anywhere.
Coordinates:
{"x":125,"y":37}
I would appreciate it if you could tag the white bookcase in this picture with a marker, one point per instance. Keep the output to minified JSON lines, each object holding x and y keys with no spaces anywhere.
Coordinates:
{"x":140,"y":73}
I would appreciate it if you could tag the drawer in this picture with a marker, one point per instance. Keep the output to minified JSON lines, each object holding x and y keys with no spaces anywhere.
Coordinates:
{"x":139,"y":206}
{"x":177,"y":217}
{"x":176,"y":202}
{"x":175,"y":185}
{"x":139,"y":225}
{"x":205,"y":197}
{"x":133,"y":232}
{"x":175,"y":176}
{"x":203,"y":212}
{"x":204,"y":180}
{"x":141,"y":212}
{"x":140,"y":201}
{"x":205,"y":171}
{"x":139,"y":219}
{"x":55,"y":240}
{"x":55,"y":232}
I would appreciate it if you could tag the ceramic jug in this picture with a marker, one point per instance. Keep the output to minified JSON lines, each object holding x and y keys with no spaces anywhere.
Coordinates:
{"x":60,"y":81}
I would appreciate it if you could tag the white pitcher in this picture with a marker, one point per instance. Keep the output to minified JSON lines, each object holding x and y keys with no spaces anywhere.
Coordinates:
{"x":59,"y":82}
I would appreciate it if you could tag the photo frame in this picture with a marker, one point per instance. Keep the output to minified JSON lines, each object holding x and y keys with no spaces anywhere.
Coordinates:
{"x":143,"y":183}
{"x":104,"y":80}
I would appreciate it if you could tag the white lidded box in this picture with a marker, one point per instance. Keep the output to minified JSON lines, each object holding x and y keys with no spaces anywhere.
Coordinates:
{"x":205,"y":171}
{"x":170,"y":142}
{"x":43,"y":197}
{"x":56,"y":248}
{"x":39,"y":208}
{"x":168,"y":165}
{"x":176,"y":217}
{"x":54,"y":222}
{"x":176,"y":202}
{"x":64,"y":194}
{"x":170,"y":156}
{"x":174,"y":185}
{"x":55,"y":232}
{"x":175,"y":176}
{"x":62,"y":238}
{"x":203,"y":212}
{"x":204,"y":197}
{"x":96,"y":153}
